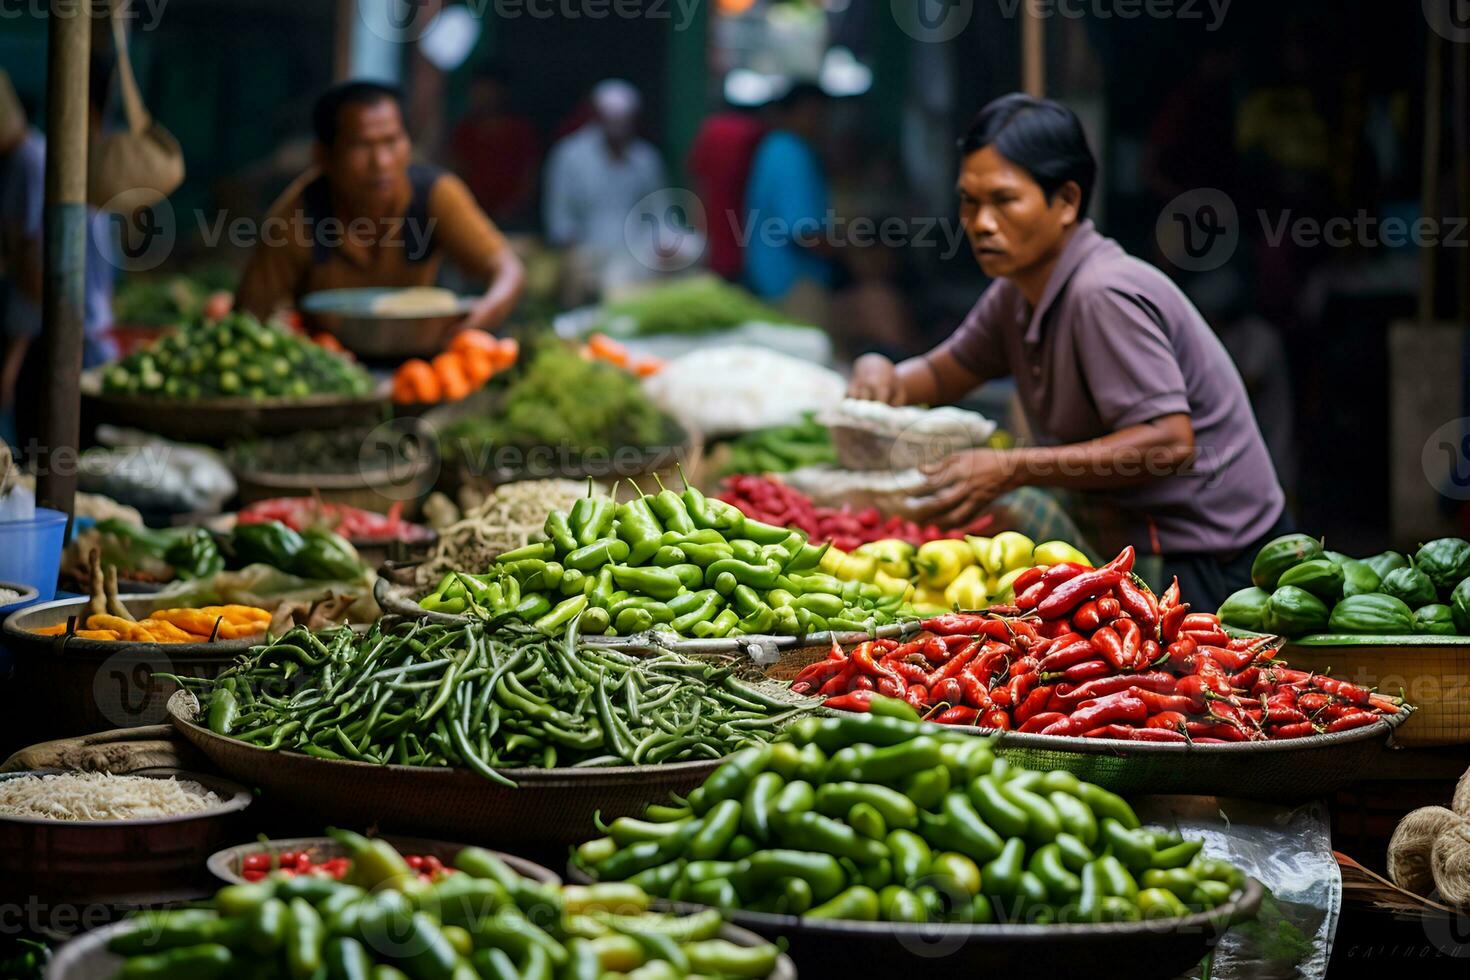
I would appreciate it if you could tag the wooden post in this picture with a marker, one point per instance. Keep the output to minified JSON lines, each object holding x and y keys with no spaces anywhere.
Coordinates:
{"x":63,"y":296}
{"x":1429,"y":193}
{"x":1033,"y":51}
{"x":342,"y":40}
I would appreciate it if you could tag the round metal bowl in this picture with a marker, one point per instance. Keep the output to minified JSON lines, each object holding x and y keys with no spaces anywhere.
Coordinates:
{"x":225,"y":865}
{"x":348,"y":314}
{"x":67,"y":685}
{"x":118,"y":862}
{"x":547,"y":806}
{"x":215,"y":421}
{"x":1162,"y":948}
{"x":87,"y":958}
{"x":28,"y":595}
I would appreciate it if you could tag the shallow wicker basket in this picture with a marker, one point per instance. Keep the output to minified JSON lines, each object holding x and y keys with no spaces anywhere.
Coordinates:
{"x":1431,"y":672}
{"x":549,"y":806}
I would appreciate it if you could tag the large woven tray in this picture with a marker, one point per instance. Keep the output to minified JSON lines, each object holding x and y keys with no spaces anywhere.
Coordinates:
{"x":215,"y":421}
{"x":1160,"y":948}
{"x":549,"y":806}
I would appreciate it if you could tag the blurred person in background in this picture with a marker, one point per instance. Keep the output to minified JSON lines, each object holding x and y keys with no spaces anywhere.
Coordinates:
{"x":595,"y":178}
{"x":22,"y":200}
{"x":788,"y":258}
{"x":497,"y":151}
{"x":720,"y":160}
{"x":367,"y":216}
{"x":1138,"y":411}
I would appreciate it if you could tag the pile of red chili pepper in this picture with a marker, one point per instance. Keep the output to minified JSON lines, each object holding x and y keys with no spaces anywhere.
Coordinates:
{"x":772,"y":501}
{"x":1093,"y":653}
{"x":254,"y":867}
{"x":353,"y":523}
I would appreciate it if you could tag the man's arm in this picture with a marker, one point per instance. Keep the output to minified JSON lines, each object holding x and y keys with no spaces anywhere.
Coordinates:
{"x":477,"y":247}
{"x":971,"y":356}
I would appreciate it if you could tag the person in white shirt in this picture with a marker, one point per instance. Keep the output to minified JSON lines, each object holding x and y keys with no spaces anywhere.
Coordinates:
{"x":596,"y":177}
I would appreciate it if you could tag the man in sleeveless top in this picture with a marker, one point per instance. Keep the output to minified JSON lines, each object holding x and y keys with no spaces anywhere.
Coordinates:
{"x":366,"y":215}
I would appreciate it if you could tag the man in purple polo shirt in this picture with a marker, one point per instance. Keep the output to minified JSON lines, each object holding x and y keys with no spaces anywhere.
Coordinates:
{"x":1133,"y":400}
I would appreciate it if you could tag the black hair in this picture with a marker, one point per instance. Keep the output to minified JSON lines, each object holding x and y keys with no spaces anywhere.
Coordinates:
{"x":801,"y":92}
{"x":1042,"y":137}
{"x":329,"y":105}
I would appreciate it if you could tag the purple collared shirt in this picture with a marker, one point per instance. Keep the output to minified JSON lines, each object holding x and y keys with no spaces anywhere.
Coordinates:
{"x":1114,"y":343}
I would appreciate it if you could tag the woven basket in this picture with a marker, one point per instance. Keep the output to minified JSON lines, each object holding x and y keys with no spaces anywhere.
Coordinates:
{"x":1432,"y":673}
{"x":549,"y":806}
{"x":1285,"y":771}
{"x":1161,"y":948}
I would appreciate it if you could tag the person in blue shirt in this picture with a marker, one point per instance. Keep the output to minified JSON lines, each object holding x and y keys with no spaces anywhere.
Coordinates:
{"x":788,"y":255}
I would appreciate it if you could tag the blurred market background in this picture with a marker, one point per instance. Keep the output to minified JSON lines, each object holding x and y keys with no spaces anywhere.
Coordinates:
{"x":1301,"y":110}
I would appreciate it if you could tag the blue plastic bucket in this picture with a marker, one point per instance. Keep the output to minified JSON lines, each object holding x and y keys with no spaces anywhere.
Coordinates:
{"x":30,"y":551}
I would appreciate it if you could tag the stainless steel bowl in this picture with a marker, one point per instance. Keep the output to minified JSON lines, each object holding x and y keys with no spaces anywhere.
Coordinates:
{"x":348,"y":315}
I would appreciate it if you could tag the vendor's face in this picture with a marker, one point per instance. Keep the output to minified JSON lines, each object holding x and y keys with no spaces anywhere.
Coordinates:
{"x":1011,"y":226}
{"x":368,"y":164}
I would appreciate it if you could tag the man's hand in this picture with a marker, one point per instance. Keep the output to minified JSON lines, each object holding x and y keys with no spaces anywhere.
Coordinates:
{"x":875,"y":379}
{"x":961,"y":486}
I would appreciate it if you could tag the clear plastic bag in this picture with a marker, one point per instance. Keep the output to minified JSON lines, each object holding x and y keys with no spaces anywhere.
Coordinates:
{"x":1287,"y":849}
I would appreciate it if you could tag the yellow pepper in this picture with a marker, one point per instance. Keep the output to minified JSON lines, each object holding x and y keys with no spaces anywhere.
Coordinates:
{"x":893,"y":556}
{"x":857,"y":568}
{"x":940,"y":562}
{"x":1056,"y":552}
{"x":967,"y":591}
{"x":1009,"y":550}
{"x":979,"y":547}
{"x":832,"y":560}
{"x":929,"y":597}
{"x":893,"y":585}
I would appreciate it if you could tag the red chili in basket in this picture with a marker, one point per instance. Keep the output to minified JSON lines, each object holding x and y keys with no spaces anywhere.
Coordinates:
{"x":1072,"y":653}
{"x":891,"y":687}
{"x":1160,"y":702}
{"x":862,"y":682}
{"x":1170,"y":598}
{"x":1174,"y":720}
{"x":1034,"y":704}
{"x":1110,"y":645}
{"x":1062,"y":571}
{"x":1342,"y":689}
{"x":1132,"y":636}
{"x":1104,"y":711}
{"x":1169,"y":628}
{"x":1038,"y":722}
{"x":1027,"y":578}
{"x":948,"y":691}
{"x":1300,"y":729}
{"x":1136,"y":603}
{"x":1086,"y":618}
{"x":958,"y":715}
{"x":996,"y":718}
{"x":964,"y":624}
{"x":1032,"y":596}
{"x":1153,"y":681}
{"x":1223,"y":731}
{"x":975,"y":694}
{"x":838,"y":682}
{"x":918,"y":697}
{"x":853,"y":701}
{"x":1076,"y":590}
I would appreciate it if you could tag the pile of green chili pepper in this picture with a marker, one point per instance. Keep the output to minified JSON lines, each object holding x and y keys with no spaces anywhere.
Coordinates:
{"x":882,"y":818}
{"x":683,"y":563}
{"x":482,"y":920}
{"x":486,"y":696}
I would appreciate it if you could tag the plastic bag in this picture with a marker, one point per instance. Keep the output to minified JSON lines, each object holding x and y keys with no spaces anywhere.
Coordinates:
{"x":1287,"y":849}
{"x":266,"y":587}
{"x":731,"y":390}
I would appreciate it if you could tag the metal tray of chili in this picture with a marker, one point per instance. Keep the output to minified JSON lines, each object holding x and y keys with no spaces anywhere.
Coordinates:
{"x":1286,"y":771}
